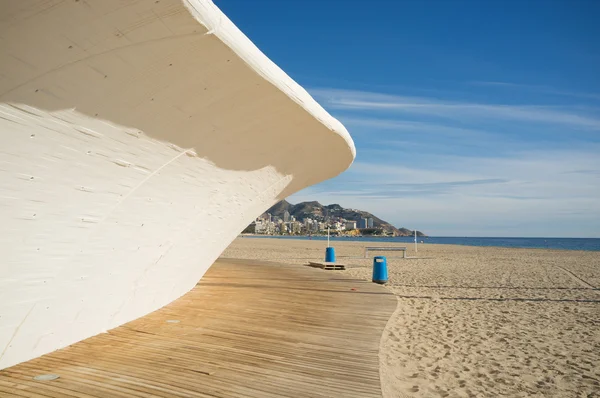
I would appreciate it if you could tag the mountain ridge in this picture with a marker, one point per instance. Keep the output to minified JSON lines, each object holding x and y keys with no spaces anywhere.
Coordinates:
{"x":319,"y":212}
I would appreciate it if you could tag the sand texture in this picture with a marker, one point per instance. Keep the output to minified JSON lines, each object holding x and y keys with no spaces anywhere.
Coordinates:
{"x":475,"y":321}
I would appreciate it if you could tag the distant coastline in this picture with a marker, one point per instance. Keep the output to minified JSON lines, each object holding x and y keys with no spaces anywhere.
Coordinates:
{"x":586,"y":244}
{"x":313,"y":218}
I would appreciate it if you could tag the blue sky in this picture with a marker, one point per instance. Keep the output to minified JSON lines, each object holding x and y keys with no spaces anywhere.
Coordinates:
{"x":470,"y":118}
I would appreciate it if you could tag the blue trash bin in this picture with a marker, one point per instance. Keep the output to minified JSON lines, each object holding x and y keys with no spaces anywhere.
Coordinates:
{"x":380,"y":270}
{"x":330,"y":255}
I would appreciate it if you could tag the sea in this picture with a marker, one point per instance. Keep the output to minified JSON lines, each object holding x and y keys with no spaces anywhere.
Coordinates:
{"x":590,"y":244}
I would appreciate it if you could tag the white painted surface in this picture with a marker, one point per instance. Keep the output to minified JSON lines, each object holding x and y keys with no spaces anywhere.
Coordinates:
{"x":136,"y":141}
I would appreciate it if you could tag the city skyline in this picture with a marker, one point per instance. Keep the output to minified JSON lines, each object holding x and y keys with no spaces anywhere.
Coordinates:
{"x":269,"y":224}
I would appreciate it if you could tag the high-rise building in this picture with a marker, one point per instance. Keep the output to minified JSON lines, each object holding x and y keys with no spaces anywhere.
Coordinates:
{"x":286,"y":216}
{"x":350,"y":224}
{"x":296,"y":227}
{"x":362,"y":223}
{"x":370,"y":222}
{"x":260,"y":228}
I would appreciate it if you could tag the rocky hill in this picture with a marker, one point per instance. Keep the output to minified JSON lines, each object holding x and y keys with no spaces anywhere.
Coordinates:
{"x":319,"y":212}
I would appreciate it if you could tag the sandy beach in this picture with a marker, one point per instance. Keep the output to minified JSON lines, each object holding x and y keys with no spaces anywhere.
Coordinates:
{"x":475,"y":321}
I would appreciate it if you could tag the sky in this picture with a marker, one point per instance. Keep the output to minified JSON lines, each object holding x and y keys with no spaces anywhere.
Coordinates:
{"x":470,"y":118}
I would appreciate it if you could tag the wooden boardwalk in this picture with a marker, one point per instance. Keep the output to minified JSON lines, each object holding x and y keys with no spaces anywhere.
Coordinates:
{"x":248,"y":329}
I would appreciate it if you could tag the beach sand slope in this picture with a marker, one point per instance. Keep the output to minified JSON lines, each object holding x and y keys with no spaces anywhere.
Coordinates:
{"x":476,"y":321}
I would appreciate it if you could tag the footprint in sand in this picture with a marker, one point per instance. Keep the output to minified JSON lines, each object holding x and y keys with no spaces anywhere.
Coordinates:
{"x":414,"y":389}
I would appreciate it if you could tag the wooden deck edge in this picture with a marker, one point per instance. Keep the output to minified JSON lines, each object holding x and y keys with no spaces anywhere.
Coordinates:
{"x":248,"y":329}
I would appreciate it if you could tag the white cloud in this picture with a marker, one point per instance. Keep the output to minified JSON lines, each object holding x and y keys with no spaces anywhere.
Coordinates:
{"x":536,"y":89}
{"x":467,"y":168}
{"x":369,"y":101}
{"x":534,"y":193}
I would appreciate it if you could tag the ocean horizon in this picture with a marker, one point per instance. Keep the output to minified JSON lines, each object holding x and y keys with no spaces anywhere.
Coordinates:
{"x":587,"y":244}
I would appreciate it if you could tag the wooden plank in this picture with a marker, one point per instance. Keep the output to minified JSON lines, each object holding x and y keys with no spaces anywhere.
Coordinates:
{"x":385,"y":248}
{"x":327,"y":266}
{"x":248,"y":329}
